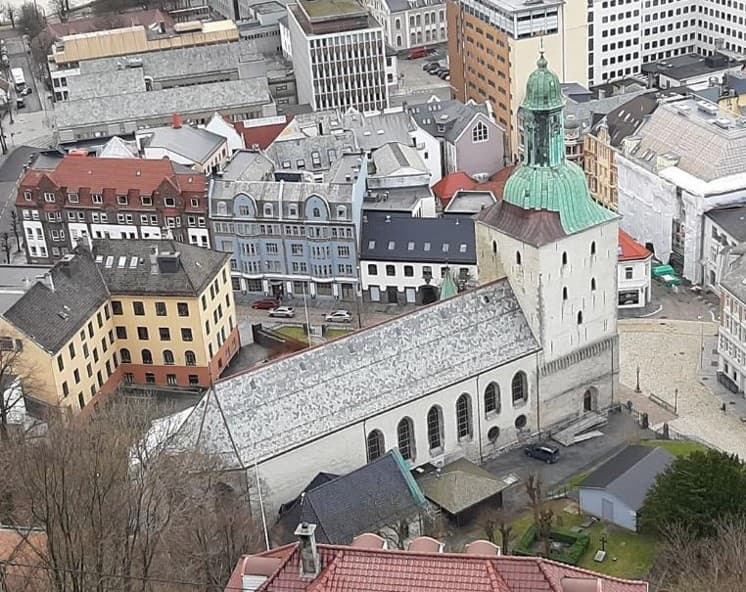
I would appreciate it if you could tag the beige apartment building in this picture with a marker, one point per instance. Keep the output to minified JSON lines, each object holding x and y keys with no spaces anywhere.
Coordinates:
{"x":599,"y":163}
{"x":492,"y":49}
{"x":155,"y":314}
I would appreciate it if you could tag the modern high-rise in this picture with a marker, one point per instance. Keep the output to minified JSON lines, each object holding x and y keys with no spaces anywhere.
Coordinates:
{"x":339,"y":55}
{"x":492,"y":49}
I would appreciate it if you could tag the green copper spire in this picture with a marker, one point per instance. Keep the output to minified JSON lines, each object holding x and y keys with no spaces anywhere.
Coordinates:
{"x":448,"y":287}
{"x":547,"y":181}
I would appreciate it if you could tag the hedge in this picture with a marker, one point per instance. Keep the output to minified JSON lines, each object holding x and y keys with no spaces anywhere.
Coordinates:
{"x":578,"y":542}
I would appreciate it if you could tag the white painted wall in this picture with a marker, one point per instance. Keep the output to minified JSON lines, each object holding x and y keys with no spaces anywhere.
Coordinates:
{"x":591,"y":502}
{"x":428,"y":148}
{"x":712,"y":253}
{"x":639,"y":281}
{"x":199,"y":236}
{"x":403,"y":281}
{"x":33,"y":230}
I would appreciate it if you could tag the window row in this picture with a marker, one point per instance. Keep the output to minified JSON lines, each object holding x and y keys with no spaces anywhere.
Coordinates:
{"x":161,"y":308}
{"x":146,"y":356}
{"x":376,"y":445}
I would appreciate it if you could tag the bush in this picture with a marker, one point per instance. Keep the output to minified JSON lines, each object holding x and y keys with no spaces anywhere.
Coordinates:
{"x":578,"y":542}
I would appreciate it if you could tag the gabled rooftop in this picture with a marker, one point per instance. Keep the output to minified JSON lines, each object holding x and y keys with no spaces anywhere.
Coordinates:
{"x":630,"y":249}
{"x":268,"y":410}
{"x":446,"y":119}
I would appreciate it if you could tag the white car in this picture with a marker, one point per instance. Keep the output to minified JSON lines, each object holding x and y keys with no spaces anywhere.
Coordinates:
{"x":287,"y":312}
{"x":339,"y":316}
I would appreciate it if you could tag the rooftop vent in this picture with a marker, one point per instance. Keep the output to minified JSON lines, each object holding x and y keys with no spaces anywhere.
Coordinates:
{"x":168,"y":261}
{"x":425,"y":544}
{"x":482,"y":548}
{"x":706,"y":107}
{"x":723,"y":123}
{"x":369,"y":541}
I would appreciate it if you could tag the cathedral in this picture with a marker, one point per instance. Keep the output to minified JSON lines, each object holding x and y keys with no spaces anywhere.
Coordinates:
{"x":532,"y":349}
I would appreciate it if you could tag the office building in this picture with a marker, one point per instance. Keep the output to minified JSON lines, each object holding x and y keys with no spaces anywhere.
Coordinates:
{"x":339,"y":55}
{"x":410,"y":24}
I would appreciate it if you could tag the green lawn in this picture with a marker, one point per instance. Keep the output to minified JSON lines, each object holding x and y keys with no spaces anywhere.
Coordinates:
{"x":293,"y":333}
{"x":337,"y":332}
{"x":629,"y":555}
{"x":678,"y":448}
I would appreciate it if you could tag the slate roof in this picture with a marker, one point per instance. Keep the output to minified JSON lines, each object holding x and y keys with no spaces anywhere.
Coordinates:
{"x":183,"y":62}
{"x":271,"y":409}
{"x":535,"y":227}
{"x":403,"y":238}
{"x":195,"y":144}
{"x":51,"y":317}
{"x":375,"y":495}
{"x":105,"y":84}
{"x":625,"y":119}
{"x":703,"y":149}
{"x":286,"y":153}
{"x":733,"y":277}
{"x":274,"y":190}
{"x":453,"y":115}
{"x":731,"y":219}
{"x":15,"y":280}
{"x":630,"y":474}
{"x":141,"y":106}
{"x":630,"y":249}
{"x":245,"y":165}
{"x":373,"y":570}
{"x":587,"y":113}
{"x":198,"y":266}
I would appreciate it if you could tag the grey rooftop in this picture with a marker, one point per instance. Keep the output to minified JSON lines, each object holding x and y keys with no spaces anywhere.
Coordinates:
{"x":284,"y":404}
{"x":16,"y":279}
{"x":276,"y":191}
{"x":731,"y":219}
{"x":142,"y":106}
{"x":445,"y":119}
{"x":105,"y":84}
{"x":195,"y":144}
{"x":449,"y":239}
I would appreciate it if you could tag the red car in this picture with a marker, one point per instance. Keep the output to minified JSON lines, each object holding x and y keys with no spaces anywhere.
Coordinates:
{"x":266,"y":304}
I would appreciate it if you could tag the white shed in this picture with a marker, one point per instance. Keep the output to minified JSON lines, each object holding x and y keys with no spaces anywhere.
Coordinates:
{"x":616,"y":490}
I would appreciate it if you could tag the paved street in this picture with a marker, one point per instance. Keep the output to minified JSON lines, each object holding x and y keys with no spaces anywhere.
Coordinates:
{"x":678,"y":356}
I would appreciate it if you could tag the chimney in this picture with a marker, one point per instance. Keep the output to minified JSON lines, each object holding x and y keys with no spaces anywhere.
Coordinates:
{"x":49,"y":280}
{"x":176,"y":121}
{"x":310,"y":562}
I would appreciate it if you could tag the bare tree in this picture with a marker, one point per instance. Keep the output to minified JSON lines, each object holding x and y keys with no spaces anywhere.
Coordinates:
{"x":688,"y":563}
{"x":542,"y":513}
{"x":6,"y":246}
{"x":60,"y":9}
{"x":11,"y":386}
{"x":118,"y":518}
{"x":497,"y":527}
{"x":30,"y":19}
{"x":10,"y":10}
{"x":15,"y":227}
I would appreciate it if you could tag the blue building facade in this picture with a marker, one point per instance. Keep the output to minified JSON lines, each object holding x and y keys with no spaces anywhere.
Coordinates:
{"x":287,"y":237}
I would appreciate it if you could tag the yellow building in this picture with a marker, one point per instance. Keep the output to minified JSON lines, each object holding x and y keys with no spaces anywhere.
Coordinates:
{"x":151,"y":313}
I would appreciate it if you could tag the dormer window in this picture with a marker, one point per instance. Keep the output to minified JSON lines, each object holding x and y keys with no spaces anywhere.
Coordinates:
{"x":49,"y":197}
{"x":169,"y":202}
{"x":73,"y":198}
{"x":391,"y":245}
{"x":122,"y":200}
{"x":316,"y":213}
{"x":146,"y":200}
{"x":27,"y":195}
{"x":268,"y":210}
{"x":341,"y":212}
{"x":446,"y":246}
{"x":97,"y":198}
{"x":293,"y":210}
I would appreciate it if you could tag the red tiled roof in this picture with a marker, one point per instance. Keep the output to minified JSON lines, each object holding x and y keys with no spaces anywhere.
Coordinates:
{"x":261,"y":135}
{"x":497,"y":182}
{"x":450,"y":184}
{"x":350,"y":569}
{"x":630,"y":249}
{"x":121,"y":174}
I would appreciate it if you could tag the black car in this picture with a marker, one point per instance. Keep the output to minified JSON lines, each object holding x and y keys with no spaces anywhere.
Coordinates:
{"x":431,"y":67}
{"x":549,"y":453}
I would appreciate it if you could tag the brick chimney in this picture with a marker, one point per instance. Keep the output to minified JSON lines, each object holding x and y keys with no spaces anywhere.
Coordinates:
{"x":176,"y":121}
{"x":310,"y":562}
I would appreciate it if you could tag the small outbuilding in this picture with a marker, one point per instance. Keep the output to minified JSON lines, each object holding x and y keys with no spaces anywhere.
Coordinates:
{"x":616,"y":490}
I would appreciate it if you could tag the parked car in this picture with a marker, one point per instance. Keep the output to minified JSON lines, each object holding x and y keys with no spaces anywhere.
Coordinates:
{"x":266,"y":304}
{"x":419,"y":52}
{"x":444,"y":74}
{"x":26,"y":91}
{"x":430,"y":66}
{"x":339,"y":316}
{"x":545,"y":451}
{"x":287,"y":312}
{"x":20,"y":103}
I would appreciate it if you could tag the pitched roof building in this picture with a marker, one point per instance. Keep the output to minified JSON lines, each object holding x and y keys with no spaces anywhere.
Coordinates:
{"x":83,"y":197}
{"x":158,"y":313}
{"x":367,"y":566}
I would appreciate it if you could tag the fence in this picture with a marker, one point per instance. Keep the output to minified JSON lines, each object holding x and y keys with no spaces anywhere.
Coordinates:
{"x":662,"y":403}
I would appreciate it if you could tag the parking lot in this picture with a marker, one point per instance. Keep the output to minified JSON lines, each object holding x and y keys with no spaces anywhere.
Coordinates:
{"x":414,"y":80}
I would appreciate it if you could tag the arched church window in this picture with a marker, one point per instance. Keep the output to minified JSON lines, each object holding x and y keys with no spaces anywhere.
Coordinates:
{"x":593,"y":284}
{"x":564,"y":258}
{"x":564,"y":293}
{"x":580,"y":317}
{"x":492,"y":398}
{"x":375,"y":445}
{"x":519,"y":387}
{"x":405,"y":438}
{"x":463,"y":416}
{"x":517,"y":257}
{"x":494,"y":246}
{"x":435,"y":427}
{"x":479,"y":133}
{"x":593,"y":247}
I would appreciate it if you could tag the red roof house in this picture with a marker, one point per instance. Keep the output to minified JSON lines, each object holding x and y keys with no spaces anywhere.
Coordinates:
{"x":450,"y":184}
{"x":367,"y":566}
{"x":630,"y":249}
{"x":258,"y":135}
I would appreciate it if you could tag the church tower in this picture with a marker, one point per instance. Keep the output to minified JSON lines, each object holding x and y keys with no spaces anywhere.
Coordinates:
{"x":559,"y":250}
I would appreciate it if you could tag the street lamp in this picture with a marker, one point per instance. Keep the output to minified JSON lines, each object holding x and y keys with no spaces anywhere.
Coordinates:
{"x":676,"y":401}
{"x":701,"y":342}
{"x":637,"y":384}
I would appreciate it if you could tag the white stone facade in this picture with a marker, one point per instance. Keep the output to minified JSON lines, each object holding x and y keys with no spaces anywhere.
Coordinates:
{"x":634,"y":283}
